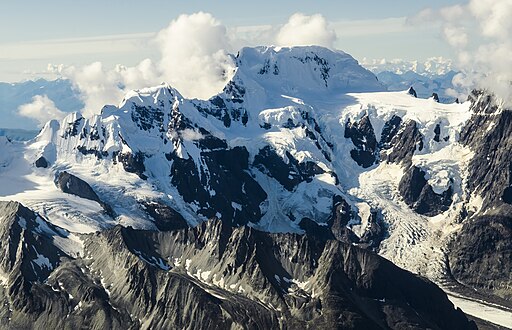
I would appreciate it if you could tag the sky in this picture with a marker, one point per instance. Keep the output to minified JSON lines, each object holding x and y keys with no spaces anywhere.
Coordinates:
{"x":36,"y":33}
{"x":108,"y":47}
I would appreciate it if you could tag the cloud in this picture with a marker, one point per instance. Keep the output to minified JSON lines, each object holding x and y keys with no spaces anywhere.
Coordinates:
{"x":303,"y":30}
{"x":191,"y":135}
{"x":494,"y":17}
{"x":485,"y":57}
{"x":193,"y":58}
{"x":41,"y":109}
{"x":194,"y":55}
{"x":455,"y":36}
{"x":99,"y":86}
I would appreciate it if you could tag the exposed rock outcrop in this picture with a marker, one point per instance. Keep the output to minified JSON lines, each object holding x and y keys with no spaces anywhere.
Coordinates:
{"x":363,"y":137}
{"x":404,"y":144}
{"x":480,"y":254}
{"x":216,"y":276}
{"x":420,"y":196}
{"x":41,"y":162}
{"x":72,"y":184}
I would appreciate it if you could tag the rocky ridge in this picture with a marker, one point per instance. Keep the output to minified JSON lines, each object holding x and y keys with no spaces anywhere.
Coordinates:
{"x":215,"y":276}
{"x":270,"y":158}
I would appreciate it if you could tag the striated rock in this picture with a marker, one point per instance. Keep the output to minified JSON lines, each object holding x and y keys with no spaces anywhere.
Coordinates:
{"x":481,"y":254}
{"x":213,"y":276}
{"x":404,"y":144}
{"x":484,"y":240}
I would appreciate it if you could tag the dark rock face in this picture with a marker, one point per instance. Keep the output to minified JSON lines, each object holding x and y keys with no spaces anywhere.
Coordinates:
{"x":412,"y":184}
{"x":489,"y":170}
{"x":342,"y":214}
{"x":73,"y":185}
{"x":480,"y":254}
{"x":412,"y":92}
{"x":363,"y":137}
{"x":72,"y":129}
{"x":437,"y":133}
{"x":165,"y":217}
{"x":222,"y":186}
{"x":133,"y":163}
{"x":26,"y":245}
{"x":148,"y":118}
{"x":420,"y":196}
{"x":289,"y":175}
{"x":212,"y":276}
{"x":398,"y":141}
{"x":41,"y":162}
{"x":389,"y":131}
{"x":404,"y":144}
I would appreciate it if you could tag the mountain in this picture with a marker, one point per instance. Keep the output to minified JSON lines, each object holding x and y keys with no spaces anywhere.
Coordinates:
{"x":13,"y":95}
{"x":210,"y":275}
{"x":425,"y":85}
{"x":271,"y":198}
{"x":18,"y":134}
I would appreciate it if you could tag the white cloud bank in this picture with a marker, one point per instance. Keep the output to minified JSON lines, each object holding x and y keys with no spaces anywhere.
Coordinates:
{"x":194,"y":55}
{"x":40,"y":109}
{"x":193,"y":58}
{"x":303,"y":30}
{"x":480,"y":32}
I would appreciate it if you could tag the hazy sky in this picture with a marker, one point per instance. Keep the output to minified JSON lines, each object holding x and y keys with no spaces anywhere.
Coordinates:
{"x":36,"y":33}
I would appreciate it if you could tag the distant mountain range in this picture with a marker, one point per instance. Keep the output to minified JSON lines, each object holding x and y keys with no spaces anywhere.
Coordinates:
{"x":67,"y":99}
{"x":13,"y":95}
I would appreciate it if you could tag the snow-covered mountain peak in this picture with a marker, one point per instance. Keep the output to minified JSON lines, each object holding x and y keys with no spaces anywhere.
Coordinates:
{"x":270,"y":150}
{"x":309,"y":69}
{"x":152,"y":95}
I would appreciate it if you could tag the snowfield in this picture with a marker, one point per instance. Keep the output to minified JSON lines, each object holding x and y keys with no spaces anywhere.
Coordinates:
{"x":328,"y":86}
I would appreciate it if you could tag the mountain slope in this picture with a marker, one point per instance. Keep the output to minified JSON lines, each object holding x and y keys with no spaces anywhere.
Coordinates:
{"x":13,"y":95}
{"x":291,"y":146}
{"x":208,"y":275}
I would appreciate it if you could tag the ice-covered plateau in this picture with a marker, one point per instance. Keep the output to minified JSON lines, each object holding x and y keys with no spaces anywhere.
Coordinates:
{"x":261,"y":207}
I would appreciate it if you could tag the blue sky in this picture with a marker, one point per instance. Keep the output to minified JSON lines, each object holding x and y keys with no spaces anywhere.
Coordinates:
{"x":29,"y":19}
{"x":36,"y":33}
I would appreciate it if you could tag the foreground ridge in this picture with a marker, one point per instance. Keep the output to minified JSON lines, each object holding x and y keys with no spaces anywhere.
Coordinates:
{"x":211,"y":276}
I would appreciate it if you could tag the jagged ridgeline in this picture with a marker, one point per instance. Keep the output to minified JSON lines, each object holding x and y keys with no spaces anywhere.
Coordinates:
{"x":262,"y":207}
{"x":212,"y":275}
